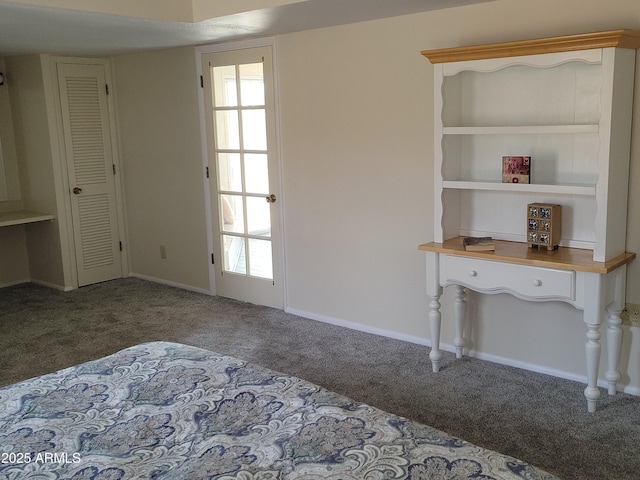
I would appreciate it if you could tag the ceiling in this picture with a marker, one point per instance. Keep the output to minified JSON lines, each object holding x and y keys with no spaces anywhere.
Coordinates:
{"x":35,"y":29}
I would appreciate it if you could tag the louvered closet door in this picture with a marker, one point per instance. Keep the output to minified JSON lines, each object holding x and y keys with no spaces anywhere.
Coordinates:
{"x":91,"y":172}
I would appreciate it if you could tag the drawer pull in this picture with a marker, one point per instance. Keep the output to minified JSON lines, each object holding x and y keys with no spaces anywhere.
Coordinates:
{"x":473,"y":273}
{"x":537,"y":283}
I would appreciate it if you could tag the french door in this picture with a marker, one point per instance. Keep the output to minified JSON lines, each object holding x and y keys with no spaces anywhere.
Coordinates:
{"x":241,"y":144}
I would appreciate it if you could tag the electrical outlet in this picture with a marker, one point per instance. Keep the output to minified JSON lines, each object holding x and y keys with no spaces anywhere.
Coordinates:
{"x":631,"y":315}
{"x":163,"y":252}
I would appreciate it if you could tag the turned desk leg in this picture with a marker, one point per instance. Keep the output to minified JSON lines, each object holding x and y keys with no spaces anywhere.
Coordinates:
{"x":434,"y":292}
{"x":592,"y":349}
{"x":593,"y":316}
{"x":614,"y":342}
{"x":460,"y":308}
{"x":435,"y":320}
{"x":614,"y":332}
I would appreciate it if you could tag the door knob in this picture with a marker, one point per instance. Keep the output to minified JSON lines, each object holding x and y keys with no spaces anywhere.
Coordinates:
{"x":77,"y":190}
{"x":271,"y":198}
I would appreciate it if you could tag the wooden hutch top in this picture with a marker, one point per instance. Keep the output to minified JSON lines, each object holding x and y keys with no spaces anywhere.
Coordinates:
{"x":563,"y":258}
{"x":567,"y":43}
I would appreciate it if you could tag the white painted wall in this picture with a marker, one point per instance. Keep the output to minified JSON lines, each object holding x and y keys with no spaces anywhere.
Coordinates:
{"x":167,"y":10}
{"x":9,"y":164}
{"x":33,"y":129}
{"x":163,"y":173}
{"x":205,"y":9}
{"x":14,"y":261}
{"x":356,"y":129}
{"x":356,"y":125}
{"x":356,"y":112}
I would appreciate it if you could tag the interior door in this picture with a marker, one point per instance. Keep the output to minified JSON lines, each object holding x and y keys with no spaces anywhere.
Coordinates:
{"x":91,"y":170}
{"x":240,"y":116}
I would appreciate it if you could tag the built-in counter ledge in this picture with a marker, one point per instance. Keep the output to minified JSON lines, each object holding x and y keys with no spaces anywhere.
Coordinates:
{"x":23,"y":216}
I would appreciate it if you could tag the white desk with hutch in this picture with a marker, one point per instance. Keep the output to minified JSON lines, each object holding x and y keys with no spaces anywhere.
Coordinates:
{"x":567,"y":103}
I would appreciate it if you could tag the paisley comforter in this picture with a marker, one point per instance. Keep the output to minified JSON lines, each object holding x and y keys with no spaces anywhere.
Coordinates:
{"x":169,"y":411}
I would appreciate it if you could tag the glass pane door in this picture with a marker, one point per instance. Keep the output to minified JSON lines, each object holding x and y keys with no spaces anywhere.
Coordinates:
{"x":242,"y":166}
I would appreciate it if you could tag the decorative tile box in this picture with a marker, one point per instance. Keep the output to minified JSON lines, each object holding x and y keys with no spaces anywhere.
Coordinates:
{"x":543,"y":225}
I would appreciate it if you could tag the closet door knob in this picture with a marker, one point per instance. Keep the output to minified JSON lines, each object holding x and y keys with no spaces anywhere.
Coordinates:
{"x":77,"y":190}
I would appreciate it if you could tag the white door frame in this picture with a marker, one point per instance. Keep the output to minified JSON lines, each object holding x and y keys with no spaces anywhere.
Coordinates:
{"x":208,"y":194}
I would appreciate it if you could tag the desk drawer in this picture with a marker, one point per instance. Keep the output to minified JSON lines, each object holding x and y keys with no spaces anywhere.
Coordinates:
{"x":525,"y":280}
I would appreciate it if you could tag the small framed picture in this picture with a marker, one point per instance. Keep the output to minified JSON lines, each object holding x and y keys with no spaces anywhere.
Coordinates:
{"x":516,"y":169}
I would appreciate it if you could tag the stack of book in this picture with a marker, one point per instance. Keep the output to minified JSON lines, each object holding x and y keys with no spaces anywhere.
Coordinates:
{"x":478,"y":244}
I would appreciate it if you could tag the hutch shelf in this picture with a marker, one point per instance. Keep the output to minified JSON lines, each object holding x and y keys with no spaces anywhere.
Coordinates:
{"x":567,"y":103}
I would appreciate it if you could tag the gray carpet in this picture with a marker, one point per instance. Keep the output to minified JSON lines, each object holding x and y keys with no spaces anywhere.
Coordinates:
{"x":536,"y":418}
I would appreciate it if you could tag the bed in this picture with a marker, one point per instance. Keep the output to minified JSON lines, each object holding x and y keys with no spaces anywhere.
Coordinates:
{"x":163,"y":410}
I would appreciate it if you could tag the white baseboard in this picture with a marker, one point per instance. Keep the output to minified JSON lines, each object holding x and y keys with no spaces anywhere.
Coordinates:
{"x":61,"y":288}
{"x":547,"y":371}
{"x":170,"y":284}
{"x":360,"y":327}
{"x":451,"y":348}
{"x":15,"y":282}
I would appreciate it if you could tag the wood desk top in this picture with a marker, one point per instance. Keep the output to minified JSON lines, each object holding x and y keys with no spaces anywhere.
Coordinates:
{"x":563,"y":258}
